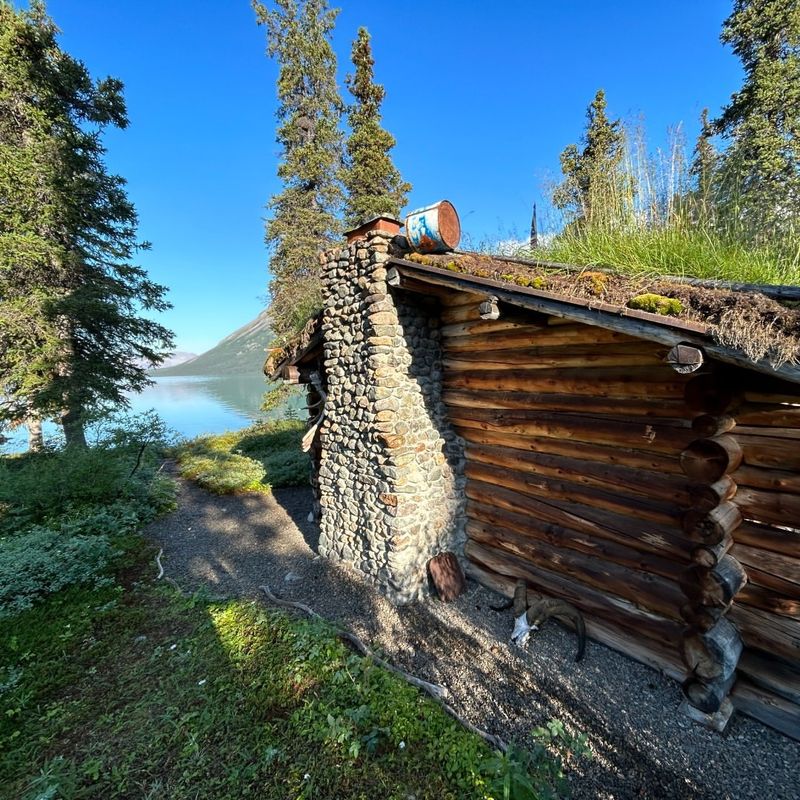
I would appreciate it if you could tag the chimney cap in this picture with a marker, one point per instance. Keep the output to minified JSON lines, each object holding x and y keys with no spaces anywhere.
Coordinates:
{"x":383,"y":222}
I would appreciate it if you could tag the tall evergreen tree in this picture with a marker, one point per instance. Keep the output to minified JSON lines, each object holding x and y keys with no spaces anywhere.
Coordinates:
{"x":304,"y":215}
{"x":703,"y":172}
{"x":72,"y":337}
{"x":374,"y":185}
{"x":761,"y":165}
{"x":593,"y":189}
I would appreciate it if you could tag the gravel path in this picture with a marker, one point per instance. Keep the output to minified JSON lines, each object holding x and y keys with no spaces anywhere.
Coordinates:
{"x":643,"y":748}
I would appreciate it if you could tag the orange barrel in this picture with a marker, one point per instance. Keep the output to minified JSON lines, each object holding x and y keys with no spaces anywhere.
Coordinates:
{"x":434,"y":229}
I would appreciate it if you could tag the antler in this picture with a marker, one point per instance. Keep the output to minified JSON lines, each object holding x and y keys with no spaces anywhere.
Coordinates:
{"x":546,"y":608}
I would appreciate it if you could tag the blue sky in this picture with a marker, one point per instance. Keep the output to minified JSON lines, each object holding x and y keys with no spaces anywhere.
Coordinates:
{"x":482,"y":97}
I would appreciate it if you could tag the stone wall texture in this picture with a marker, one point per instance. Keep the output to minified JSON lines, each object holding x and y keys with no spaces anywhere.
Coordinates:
{"x":391,"y":469}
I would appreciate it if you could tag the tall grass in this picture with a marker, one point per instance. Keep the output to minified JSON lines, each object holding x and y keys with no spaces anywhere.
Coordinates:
{"x":651,"y":221}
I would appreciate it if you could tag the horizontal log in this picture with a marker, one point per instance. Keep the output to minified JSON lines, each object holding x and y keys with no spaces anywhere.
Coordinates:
{"x":654,"y":653}
{"x":715,"y":587}
{"x":607,"y":545}
{"x":455,"y":298}
{"x":652,"y":461}
{"x":705,"y":497}
{"x":517,"y":360}
{"x":550,"y":489}
{"x":712,"y":527}
{"x":668,"y":436}
{"x":603,"y":605}
{"x":707,"y":460}
{"x":771,"y":673}
{"x":714,"y":654}
{"x":774,"y":508}
{"x":505,"y":334}
{"x":767,"y":415}
{"x":709,"y":425}
{"x":642,"y":382}
{"x":583,"y":519}
{"x":550,"y":401}
{"x":462,"y":313}
{"x":645,"y":590}
{"x":783,"y":566}
{"x":772,"y":633}
{"x":764,"y":598}
{"x":769,"y":451}
{"x":769,"y":538}
{"x":768,"y":708}
{"x":771,"y":479}
{"x":707,"y":696}
{"x":610,"y":477}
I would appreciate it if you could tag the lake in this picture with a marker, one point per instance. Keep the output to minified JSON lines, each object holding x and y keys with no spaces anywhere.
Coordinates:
{"x":192,"y":405}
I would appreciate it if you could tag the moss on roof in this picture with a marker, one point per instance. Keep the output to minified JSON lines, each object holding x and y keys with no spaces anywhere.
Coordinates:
{"x":750,"y":322}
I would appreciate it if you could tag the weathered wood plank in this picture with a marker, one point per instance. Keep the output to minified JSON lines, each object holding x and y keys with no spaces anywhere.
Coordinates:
{"x":666,"y":436}
{"x":640,"y":382}
{"x":610,"y":545}
{"x":768,"y":538}
{"x":549,"y":401}
{"x":644,"y":589}
{"x":767,"y":707}
{"x":536,"y":486}
{"x":610,"y":477}
{"x":772,"y":633}
{"x":653,"y":461}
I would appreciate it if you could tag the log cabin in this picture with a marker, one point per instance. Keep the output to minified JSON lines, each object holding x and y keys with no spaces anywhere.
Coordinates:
{"x":535,"y":422}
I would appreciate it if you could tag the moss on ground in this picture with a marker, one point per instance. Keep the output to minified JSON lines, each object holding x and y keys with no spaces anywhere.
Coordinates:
{"x":134,"y":691}
{"x":255,"y":459}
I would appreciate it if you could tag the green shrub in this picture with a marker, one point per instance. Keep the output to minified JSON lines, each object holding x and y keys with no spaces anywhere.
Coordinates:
{"x":42,"y":561}
{"x":223,"y":473}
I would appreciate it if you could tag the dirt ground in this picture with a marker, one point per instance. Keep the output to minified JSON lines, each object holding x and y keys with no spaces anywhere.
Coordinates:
{"x":643,"y":747}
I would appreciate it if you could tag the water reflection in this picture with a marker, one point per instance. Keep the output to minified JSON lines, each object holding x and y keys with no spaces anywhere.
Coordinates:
{"x":191,"y":405}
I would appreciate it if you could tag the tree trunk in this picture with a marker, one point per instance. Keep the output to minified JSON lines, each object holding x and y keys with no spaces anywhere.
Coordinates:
{"x":72,"y":423}
{"x":35,"y":438}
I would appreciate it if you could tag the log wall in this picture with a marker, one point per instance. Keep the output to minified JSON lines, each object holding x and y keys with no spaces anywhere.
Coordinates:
{"x":661,"y":504}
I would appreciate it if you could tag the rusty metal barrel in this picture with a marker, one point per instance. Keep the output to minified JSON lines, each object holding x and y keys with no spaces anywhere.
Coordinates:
{"x":434,"y":229}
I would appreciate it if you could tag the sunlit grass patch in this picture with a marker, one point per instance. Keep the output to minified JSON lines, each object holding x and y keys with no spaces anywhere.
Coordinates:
{"x":115,"y":692}
{"x":255,"y":459}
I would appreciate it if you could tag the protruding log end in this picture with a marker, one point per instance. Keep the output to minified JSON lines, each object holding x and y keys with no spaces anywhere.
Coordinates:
{"x":708,"y":696}
{"x":716,"y":721}
{"x":685,"y":359}
{"x":714,"y":587}
{"x":713,"y":655}
{"x":489,"y":309}
{"x":708,"y":555}
{"x":706,"y":497}
{"x":711,"y":425}
{"x":707,"y":460}
{"x":714,"y":526}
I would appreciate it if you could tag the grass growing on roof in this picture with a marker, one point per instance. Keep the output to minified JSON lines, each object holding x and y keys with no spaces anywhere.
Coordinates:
{"x":254,"y":459}
{"x":137,"y":691}
{"x":679,"y":250}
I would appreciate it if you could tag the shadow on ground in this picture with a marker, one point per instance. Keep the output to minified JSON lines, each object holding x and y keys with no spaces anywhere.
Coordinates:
{"x":643,"y":747}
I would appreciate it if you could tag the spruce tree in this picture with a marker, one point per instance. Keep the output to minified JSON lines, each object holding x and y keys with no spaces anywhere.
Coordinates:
{"x":374,"y":185}
{"x":72,"y":337}
{"x":761,"y":166}
{"x":593,"y":190}
{"x":303,"y":217}
{"x":703,"y":171}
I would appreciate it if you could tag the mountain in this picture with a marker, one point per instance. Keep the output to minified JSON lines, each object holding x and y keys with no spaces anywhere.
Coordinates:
{"x":242,"y":352}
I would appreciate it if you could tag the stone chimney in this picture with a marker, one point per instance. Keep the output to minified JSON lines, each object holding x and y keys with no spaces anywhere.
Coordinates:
{"x":391,"y":468}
